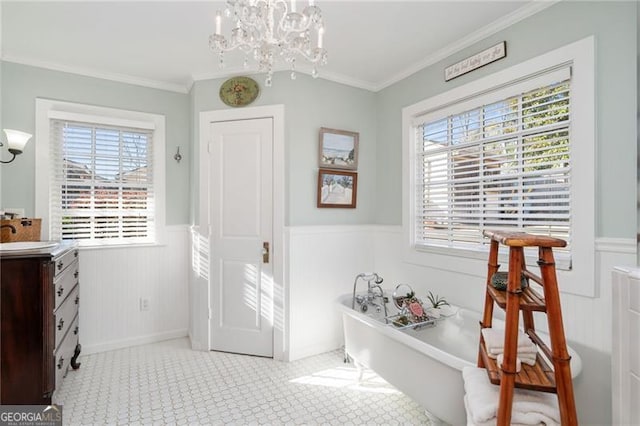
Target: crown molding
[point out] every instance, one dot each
(518, 15)
(506, 21)
(322, 74)
(87, 72)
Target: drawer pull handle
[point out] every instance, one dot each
(77, 299)
(75, 330)
(60, 363)
(75, 253)
(75, 274)
(60, 323)
(60, 291)
(60, 265)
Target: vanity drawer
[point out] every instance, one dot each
(65, 282)
(65, 352)
(65, 261)
(65, 315)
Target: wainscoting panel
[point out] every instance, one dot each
(587, 320)
(322, 264)
(114, 280)
(626, 346)
(199, 291)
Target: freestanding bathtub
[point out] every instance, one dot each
(425, 364)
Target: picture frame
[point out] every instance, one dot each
(337, 189)
(338, 149)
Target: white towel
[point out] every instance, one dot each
(528, 408)
(491, 422)
(528, 350)
(529, 359)
(500, 360)
(494, 341)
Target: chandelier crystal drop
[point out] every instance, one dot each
(272, 30)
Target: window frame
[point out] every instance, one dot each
(50, 109)
(579, 271)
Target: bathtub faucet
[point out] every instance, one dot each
(373, 283)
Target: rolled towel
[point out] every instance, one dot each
(494, 340)
(528, 408)
(529, 359)
(500, 359)
(529, 351)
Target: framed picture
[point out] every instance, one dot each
(338, 149)
(337, 188)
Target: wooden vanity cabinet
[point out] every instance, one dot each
(39, 322)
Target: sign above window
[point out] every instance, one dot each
(476, 61)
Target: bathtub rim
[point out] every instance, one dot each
(344, 304)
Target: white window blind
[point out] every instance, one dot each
(505, 164)
(102, 191)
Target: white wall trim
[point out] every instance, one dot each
(133, 341)
(277, 112)
(518, 15)
(104, 75)
(197, 345)
(616, 245)
(45, 108)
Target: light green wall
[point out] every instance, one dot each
(614, 26)
(21, 85)
(310, 104)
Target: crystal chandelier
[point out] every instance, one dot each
(270, 30)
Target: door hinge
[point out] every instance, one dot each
(209, 313)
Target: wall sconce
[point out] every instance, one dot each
(16, 140)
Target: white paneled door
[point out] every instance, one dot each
(240, 214)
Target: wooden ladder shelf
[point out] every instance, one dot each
(539, 377)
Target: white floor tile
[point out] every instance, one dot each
(168, 383)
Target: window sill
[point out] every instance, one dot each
(118, 246)
(420, 253)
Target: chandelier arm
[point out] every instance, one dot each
(313, 57)
(272, 31)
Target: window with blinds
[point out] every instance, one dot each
(102, 185)
(505, 164)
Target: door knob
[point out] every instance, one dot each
(265, 252)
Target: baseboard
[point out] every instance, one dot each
(197, 345)
(133, 341)
(316, 349)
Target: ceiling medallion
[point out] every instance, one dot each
(239, 91)
(268, 30)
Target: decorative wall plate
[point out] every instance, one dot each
(239, 91)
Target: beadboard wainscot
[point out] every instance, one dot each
(588, 319)
(199, 296)
(114, 280)
(321, 264)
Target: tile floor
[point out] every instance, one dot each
(168, 383)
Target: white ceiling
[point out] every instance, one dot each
(164, 44)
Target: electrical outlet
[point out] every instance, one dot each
(144, 304)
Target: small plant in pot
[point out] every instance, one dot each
(437, 301)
